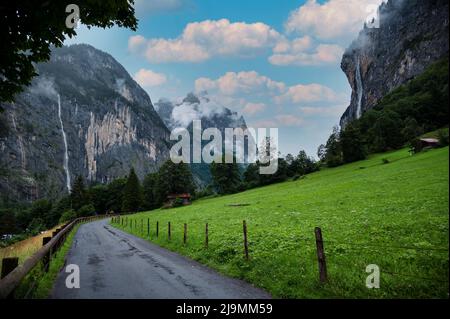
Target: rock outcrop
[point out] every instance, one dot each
(108, 121)
(412, 34)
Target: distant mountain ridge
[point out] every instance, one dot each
(412, 35)
(104, 121)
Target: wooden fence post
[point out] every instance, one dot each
(206, 236)
(157, 229)
(168, 231)
(321, 255)
(8, 265)
(148, 227)
(244, 224)
(185, 234)
(46, 259)
(142, 226)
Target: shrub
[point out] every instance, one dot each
(86, 210)
(68, 215)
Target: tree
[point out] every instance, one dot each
(303, 164)
(78, 195)
(98, 195)
(251, 176)
(114, 195)
(7, 222)
(29, 29)
(385, 133)
(353, 148)
(333, 148)
(132, 193)
(411, 129)
(226, 176)
(173, 179)
(149, 191)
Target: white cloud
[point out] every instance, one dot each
(246, 82)
(334, 19)
(289, 120)
(300, 94)
(253, 108)
(148, 78)
(203, 40)
(301, 52)
(333, 111)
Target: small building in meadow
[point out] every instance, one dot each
(174, 200)
(429, 142)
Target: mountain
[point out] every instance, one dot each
(83, 115)
(180, 114)
(411, 36)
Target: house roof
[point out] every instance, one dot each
(430, 140)
(185, 195)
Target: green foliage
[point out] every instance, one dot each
(98, 195)
(78, 195)
(29, 36)
(149, 191)
(226, 176)
(86, 210)
(67, 216)
(352, 145)
(443, 137)
(173, 179)
(7, 222)
(365, 216)
(132, 193)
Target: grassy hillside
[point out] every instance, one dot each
(394, 215)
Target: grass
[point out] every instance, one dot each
(25, 248)
(38, 284)
(394, 215)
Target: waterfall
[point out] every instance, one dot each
(359, 88)
(66, 154)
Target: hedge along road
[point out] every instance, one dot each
(114, 264)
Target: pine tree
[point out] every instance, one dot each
(173, 179)
(78, 194)
(132, 193)
(226, 177)
(149, 191)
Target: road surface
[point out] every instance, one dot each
(114, 264)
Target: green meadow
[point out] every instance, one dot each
(390, 210)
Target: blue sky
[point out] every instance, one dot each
(275, 62)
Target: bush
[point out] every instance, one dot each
(443, 137)
(68, 216)
(86, 210)
(385, 161)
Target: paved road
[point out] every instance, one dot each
(114, 264)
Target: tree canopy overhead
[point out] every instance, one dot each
(29, 28)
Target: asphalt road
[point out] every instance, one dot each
(114, 264)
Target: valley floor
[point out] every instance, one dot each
(393, 215)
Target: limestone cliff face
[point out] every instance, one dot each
(412, 34)
(108, 121)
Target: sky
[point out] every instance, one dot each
(276, 62)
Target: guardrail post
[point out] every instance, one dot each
(321, 256)
(8, 265)
(244, 225)
(206, 236)
(46, 259)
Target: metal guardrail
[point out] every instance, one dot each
(11, 281)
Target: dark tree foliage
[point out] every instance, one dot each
(7, 222)
(226, 176)
(78, 195)
(99, 198)
(333, 149)
(149, 191)
(352, 144)
(114, 195)
(132, 193)
(29, 28)
(173, 179)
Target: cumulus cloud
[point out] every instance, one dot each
(333, 111)
(253, 108)
(246, 82)
(301, 51)
(203, 40)
(289, 120)
(300, 94)
(148, 78)
(333, 19)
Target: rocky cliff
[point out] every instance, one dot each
(411, 34)
(83, 115)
